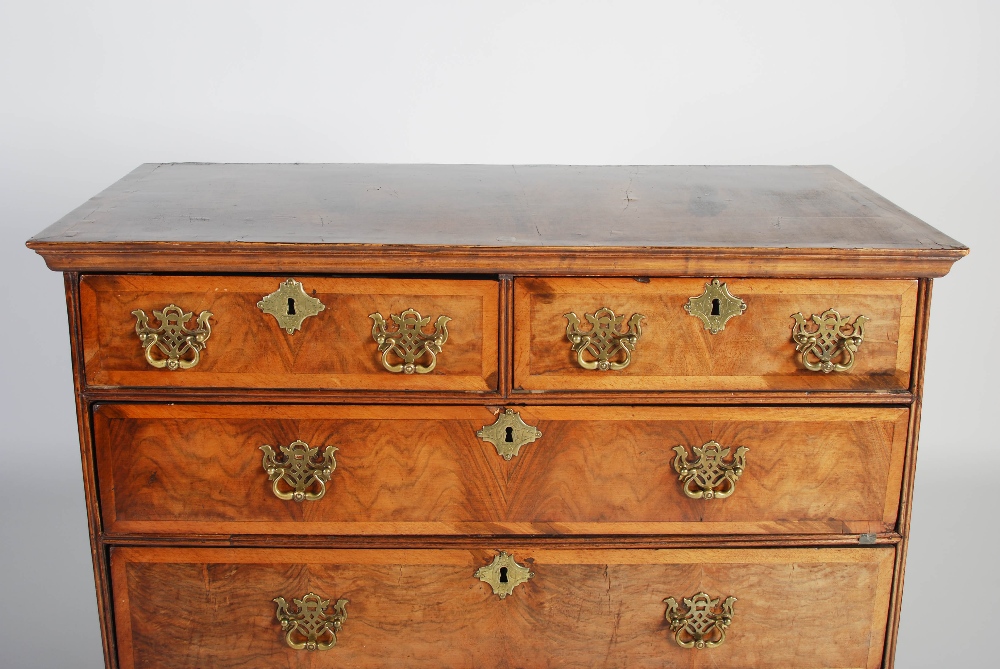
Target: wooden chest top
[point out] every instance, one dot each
(659, 220)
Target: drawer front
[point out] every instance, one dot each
(422, 470)
(675, 350)
(333, 348)
(803, 608)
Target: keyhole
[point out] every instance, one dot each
(509, 436)
(291, 306)
(503, 570)
(715, 306)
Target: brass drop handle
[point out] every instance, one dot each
(831, 345)
(709, 476)
(179, 347)
(309, 624)
(408, 343)
(700, 622)
(300, 473)
(606, 345)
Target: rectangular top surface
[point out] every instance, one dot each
(495, 206)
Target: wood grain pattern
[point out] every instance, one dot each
(675, 352)
(731, 220)
(422, 471)
(809, 609)
(248, 349)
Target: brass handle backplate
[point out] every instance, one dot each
(702, 623)
(179, 347)
(300, 473)
(408, 343)
(831, 345)
(608, 346)
(503, 574)
(290, 305)
(709, 476)
(311, 625)
(715, 306)
(509, 433)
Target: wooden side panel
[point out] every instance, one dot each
(803, 608)
(675, 352)
(422, 470)
(248, 349)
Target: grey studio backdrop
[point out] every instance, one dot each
(903, 96)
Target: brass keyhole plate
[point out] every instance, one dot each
(290, 305)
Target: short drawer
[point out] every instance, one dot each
(273, 333)
(422, 470)
(802, 608)
(675, 349)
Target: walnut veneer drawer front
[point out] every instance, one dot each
(334, 347)
(657, 344)
(802, 608)
(423, 470)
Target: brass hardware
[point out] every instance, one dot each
(509, 433)
(301, 468)
(409, 342)
(711, 476)
(833, 339)
(703, 623)
(604, 340)
(181, 346)
(715, 306)
(290, 305)
(310, 627)
(503, 574)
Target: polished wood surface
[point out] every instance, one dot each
(247, 348)
(675, 352)
(421, 470)
(422, 608)
(495, 218)
(184, 526)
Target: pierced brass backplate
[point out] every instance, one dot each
(290, 305)
(709, 476)
(311, 626)
(715, 306)
(831, 345)
(503, 574)
(300, 473)
(180, 347)
(702, 623)
(409, 343)
(509, 433)
(604, 341)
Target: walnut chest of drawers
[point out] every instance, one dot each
(495, 416)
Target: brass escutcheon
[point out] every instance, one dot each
(503, 574)
(831, 346)
(409, 343)
(181, 346)
(311, 626)
(604, 340)
(715, 306)
(709, 476)
(302, 470)
(702, 623)
(290, 305)
(509, 433)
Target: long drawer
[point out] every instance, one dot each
(626, 335)
(421, 470)
(269, 332)
(802, 608)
